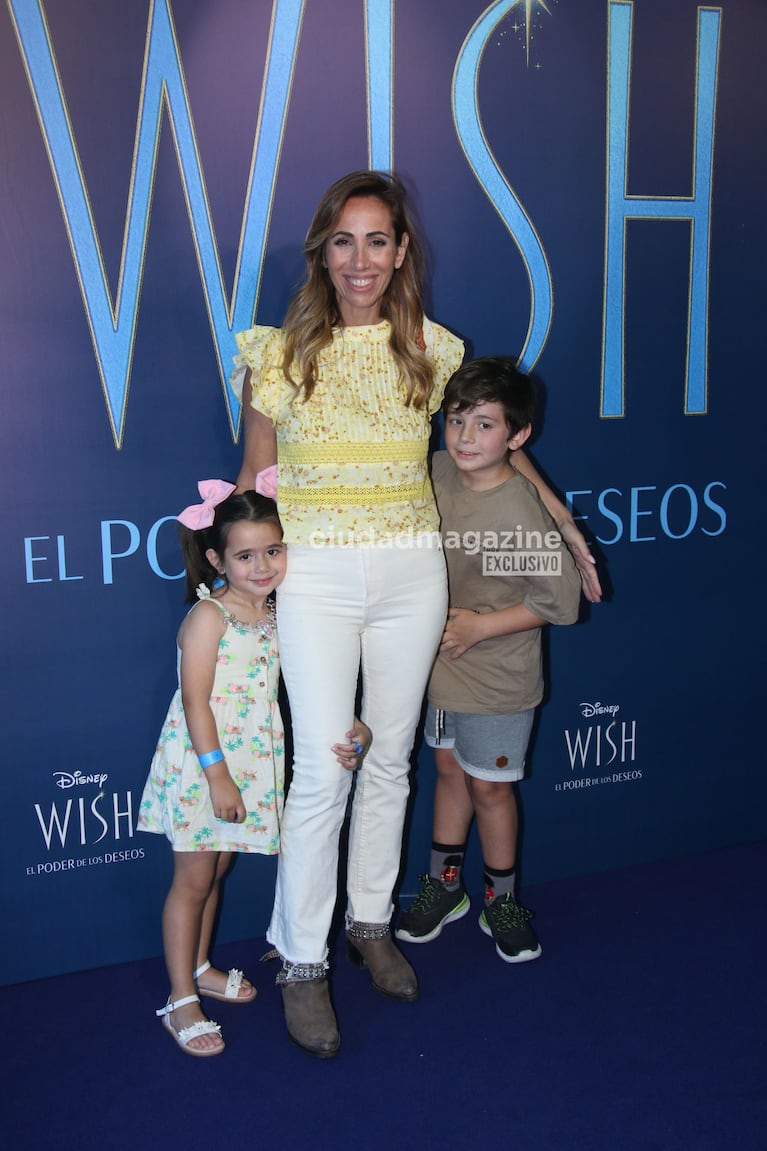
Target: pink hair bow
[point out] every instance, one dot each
(266, 482)
(198, 516)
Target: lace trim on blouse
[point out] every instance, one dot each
(352, 453)
(330, 495)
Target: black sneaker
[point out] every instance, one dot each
(433, 907)
(507, 922)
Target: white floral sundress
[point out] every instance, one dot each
(176, 799)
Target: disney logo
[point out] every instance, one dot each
(591, 709)
(66, 779)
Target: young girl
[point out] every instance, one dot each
(216, 783)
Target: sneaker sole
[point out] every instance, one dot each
(458, 912)
(520, 957)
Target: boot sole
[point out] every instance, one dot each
(318, 1053)
(357, 960)
(399, 998)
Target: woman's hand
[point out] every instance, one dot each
(584, 560)
(562, 517)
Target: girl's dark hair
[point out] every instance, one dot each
(248, 506)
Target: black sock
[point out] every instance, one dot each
(446, 863)
(499, 883)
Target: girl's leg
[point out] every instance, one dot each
(194, 878)
(214, 979)
(210, 908)
(407, 604)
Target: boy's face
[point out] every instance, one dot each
(478, 442)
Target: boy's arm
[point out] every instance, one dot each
(466, 628)
(571, 534)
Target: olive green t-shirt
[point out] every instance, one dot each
(502, 548)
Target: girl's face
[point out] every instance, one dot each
(254, 559)
(361, 256)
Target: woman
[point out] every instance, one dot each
(342, 398)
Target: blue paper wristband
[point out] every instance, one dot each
(210, 758)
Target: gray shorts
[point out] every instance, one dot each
(491, 747)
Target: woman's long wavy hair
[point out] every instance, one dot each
(313, 311)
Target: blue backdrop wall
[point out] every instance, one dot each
(591, 177)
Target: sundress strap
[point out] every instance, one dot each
(263, 627)
(209, 599)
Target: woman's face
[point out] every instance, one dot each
(361, 255)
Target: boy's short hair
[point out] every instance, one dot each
(492, 379)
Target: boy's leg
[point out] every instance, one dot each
(453, 810)
(495, 807)
(443, 897)
(453, 814)
(491, 749)
(502, 917)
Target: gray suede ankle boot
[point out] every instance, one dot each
(309, 1014)
(370, 945)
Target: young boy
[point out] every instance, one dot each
(509, 574)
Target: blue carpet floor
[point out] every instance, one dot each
(642, 1026)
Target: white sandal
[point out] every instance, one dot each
(231, 993)
(201, 1027)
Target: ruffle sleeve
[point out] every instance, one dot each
(260, 350)
(446, 352)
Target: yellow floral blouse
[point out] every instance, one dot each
(352, 467)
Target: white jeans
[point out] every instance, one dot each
(341, 609)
